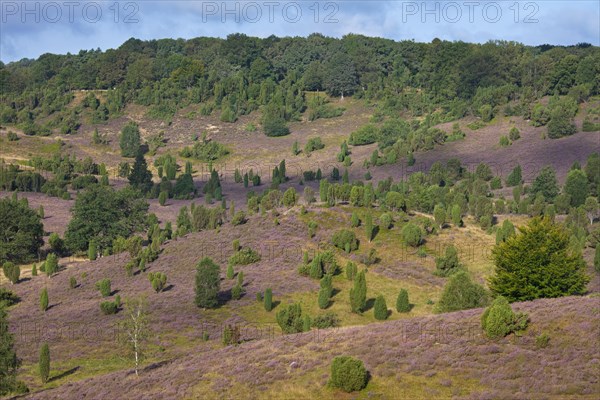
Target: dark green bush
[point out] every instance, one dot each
(366, 134)
(103, 286)
(108, 307)
(348, 374)
(327, 320)
(244, 256)
(345, 239)
(499, 320)
(290, 319)
(380, 309)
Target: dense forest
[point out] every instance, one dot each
(240, 74)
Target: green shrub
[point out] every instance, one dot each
(158, 280)
(504, 141)
(237, 291)
(313, 144)
(51, 264)
(412, 234)
(275, 126)
(239, 218)
(345, 239)
(244, 256)
(312, 228)
(228, 115)
(44, 299)
(358, 293)
(461, 293)
(108, 307)
(348, 374)
(323, 298)
(230, 272)
(162, 198)
(231, 335)
(385, 220)
(327, 320)
(268, 299)
(366, 134)
(542, 340)
(12, 272)
(448, 265)
(322, 264)
(103, 286)
(514, 134)
(290, 319)
(402, 302)
(351, 270)
(207, 283)
(206, 151)
(499, 320)
(72, 282)
(44, 363)
(380, 309)
(496, 183)
(354, 220)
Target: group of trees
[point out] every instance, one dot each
(240, 74)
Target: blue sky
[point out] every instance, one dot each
(31, 28)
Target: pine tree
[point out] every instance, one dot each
(140, 177)
(34, 271)
(44, 299)
(380, 308)
(323, 298)
(208, 283)
(268, 301)
(402, 303)
(350, 271)
(515, 177)
(540, 255)
(246, 179)
(354, 220)
(44, 363)
(358, 294)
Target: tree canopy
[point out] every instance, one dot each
(21, 231)
(537, 263)
(102, 214)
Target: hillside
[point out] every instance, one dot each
(429, 357)
(275, 203)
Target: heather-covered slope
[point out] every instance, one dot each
(432, 357)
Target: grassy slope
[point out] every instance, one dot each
(430, 357)
(83, 341)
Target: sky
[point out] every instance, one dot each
(29, 29)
